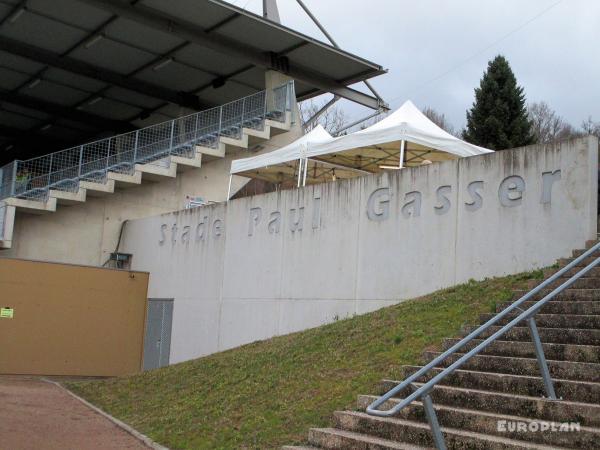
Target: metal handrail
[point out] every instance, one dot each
(423, 391)
(62, 170)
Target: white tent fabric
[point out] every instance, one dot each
(291, 152)
(407, 123)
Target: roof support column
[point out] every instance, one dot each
(401, 164)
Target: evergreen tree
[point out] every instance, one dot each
(498, 118)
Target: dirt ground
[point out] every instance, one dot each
(35, 414)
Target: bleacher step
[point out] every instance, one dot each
(510, 404)
(591, 321)
(481, 422)
(554, 335)
(567, 370)
(554, 351)
(418, 433)
(533, 386)
(560, 307)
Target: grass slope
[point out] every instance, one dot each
(269, 393)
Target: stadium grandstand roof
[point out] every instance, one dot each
(73, 70)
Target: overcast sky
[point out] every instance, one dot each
(437, 50)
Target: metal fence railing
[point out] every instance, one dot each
(33, 178)
(527, 315)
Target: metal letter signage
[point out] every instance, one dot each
(511, 192)
(412, 207)
(548, 179)
(378, 205)
(441, 193)
(473, 189)
(255, 216)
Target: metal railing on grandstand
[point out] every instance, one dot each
(63, 170)
(528, 315)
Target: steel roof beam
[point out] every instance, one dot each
(64, 111)
(190, 32)
(98, 73)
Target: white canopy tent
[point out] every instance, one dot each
(404, 138)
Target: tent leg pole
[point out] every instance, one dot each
(229, 188)
(299, 171)
(401, 163)
(305, 171)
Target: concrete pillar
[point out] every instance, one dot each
(275, 79)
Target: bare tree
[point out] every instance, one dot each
(333, 119)
(439, 119)
(591, 127)
(547, 126)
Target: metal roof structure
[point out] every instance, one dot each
(72, 70)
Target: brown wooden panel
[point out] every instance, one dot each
(71, 320)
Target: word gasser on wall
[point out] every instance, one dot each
(510, 194)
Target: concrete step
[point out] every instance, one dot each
(577, 391)
(560, 307)
(279, 127)
(593, 273)
(124, 180)
(534, 407)
(588, 295)
(577, 253)
(581, 283)
(419, 433)
(552, 320)
(65, 198)
(184, 164)
(32, 206)
(547, 335)
(331, 438)
(487, 423)
(211, 153)
(562, 262)
(235, 143)
(553, 351)
(98, 189)
(565, 370)
(157, 172)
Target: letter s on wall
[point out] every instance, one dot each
(163, 236)
(441, 193)
(473, 189)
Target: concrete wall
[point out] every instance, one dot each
(87, 233)
(71, 320)
(286, 261)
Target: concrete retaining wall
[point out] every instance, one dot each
(281, 262)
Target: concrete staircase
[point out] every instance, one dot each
(152, 171)
(503, 383)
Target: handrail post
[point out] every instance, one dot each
(49, 171)
(436, 431)
(220, 125)
(242, 118)
(80, 161)
(196, 128)
(539, 353)
(13, 188)
(135, 145)
(107, 154)
(172, 134)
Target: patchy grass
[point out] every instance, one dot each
(269, 393)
